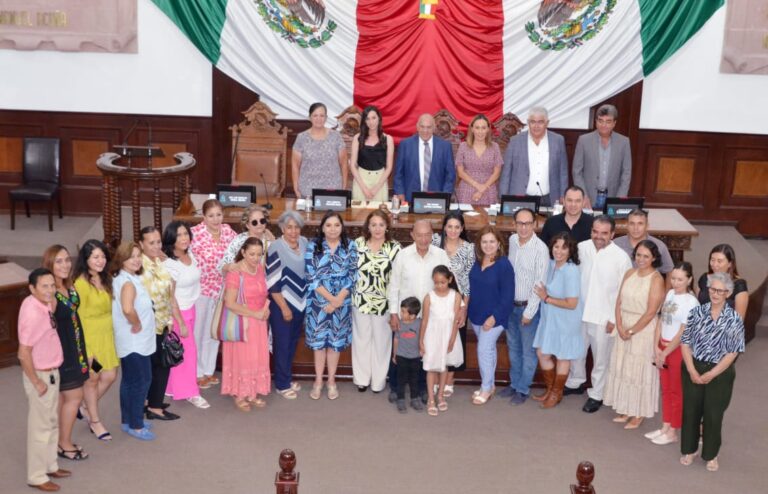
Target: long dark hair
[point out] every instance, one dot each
(81, 264)
(568, 241)
(379, 214)
(249, 242)
(652, 248)
(364, 129)
(442, 269)
(171, 233)
(453, 215)
(727, 251)
(686, 267)
(343, 241)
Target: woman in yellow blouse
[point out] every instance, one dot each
(94, 286)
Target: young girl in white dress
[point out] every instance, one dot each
(439, 327)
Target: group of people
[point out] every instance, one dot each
(404, 310)
(534, 163)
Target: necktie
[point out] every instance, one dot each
(427, 166)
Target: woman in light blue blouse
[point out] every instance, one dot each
(134, 323)
(331, 270)
(712, 339)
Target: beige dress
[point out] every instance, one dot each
(633, 381)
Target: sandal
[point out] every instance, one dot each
(687, 460)
(479, 399)
(317, 390)
(77, 454)
(712, 465)
(242, 405)
(213, 380)
(448, 390)
(295, 386)
(333, 391)
(432, 409)
(257, 402)
(104, 436)
(288, 394)
(621, 419)
(634, 423)
(442, 405)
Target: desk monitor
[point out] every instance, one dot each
(510, 204)
(430, 202)
(331, 199)
(620, 207)
(237, 196)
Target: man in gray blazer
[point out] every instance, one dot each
(603, 160)
(535, 163)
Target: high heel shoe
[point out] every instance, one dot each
(317, 390)
(634, 423)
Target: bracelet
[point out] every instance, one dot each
(546, 299)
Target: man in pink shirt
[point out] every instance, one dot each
(40, 355)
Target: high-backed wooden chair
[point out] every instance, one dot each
(505, 128)
(348, 125)
(447, 127)
(260, 145)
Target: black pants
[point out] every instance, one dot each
(159, 377)
(408, 370)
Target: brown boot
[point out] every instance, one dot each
(557, 392)
(549, 377)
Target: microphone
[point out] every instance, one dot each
(267, 205)
(541, 192)
(149, 141)
(130, 131)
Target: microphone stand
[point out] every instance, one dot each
(267, 205)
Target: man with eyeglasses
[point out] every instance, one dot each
(40, 356)
(602, 163)
(535, 162)
(530, 258)
(573, 219)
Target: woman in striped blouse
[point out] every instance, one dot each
(712, 339)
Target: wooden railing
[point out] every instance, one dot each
(177, 176)
(287, 480)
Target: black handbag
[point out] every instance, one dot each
(171, 350)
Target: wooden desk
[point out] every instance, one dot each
(667, 224)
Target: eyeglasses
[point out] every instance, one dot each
(718, 291)
(262, 221)
(524, 223)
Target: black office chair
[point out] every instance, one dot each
(41, 177)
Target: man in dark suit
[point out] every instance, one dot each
(424, 162)
(603, 159)
(535, 163)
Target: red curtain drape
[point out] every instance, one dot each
(407, 66)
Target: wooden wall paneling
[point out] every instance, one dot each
(750, 179)
(85, 152)
(676, 175)
(11, 154)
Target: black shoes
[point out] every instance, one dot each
(362, 389)
(573, 391)
(165, 416)
(591, 406)
(401, 407)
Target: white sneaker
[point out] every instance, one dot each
(663, 439)
(654, 434)
(199, 402)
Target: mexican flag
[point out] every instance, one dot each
(410, 57)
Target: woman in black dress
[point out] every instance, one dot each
(74, 371)
(722, 259)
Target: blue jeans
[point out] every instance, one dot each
(285, 337)
(137, 376)
(486, 353)
(522, 355)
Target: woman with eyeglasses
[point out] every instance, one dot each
(722, 259)
(73, 373)
(255, 223)
(712, 340)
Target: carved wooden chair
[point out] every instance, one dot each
(505, 129)
(348, 125)
(260, 146)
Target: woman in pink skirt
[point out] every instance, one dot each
(182, 382)
(245, 365)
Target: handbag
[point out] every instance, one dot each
(228, 326)
(171, 350)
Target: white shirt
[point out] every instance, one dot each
(602, 272)
(674, 313)
(187, 279)
(422, 144)
(412, 275)
(538, 166)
